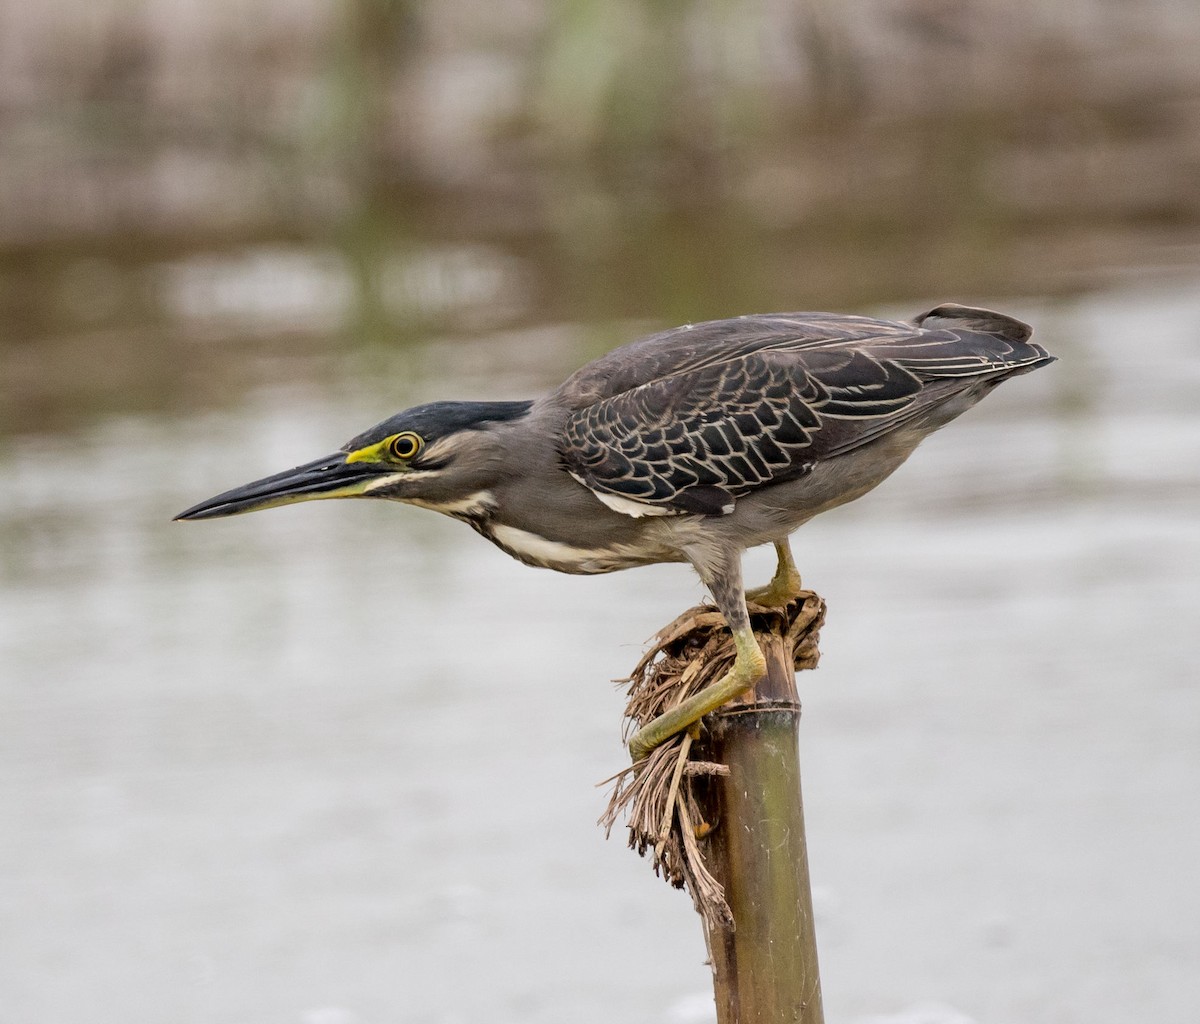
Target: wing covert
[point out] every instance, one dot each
(696, 441)
(691, 420)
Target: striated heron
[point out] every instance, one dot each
(691, 445)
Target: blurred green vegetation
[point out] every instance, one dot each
(195, 202)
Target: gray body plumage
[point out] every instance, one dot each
(702, 441)
(687, 446)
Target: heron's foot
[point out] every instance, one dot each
(784, 588)
(785, 585)
(748, 668)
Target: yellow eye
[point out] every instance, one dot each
(405, 446)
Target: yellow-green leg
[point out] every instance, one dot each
(721, 571)
(748, 668)
(785, 585)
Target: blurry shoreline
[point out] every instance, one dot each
(162, 119)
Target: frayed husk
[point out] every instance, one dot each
(669, 798)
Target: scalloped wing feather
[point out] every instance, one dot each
(689, 420)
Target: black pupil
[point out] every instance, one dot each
(404, 447)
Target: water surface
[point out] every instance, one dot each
(335, 764)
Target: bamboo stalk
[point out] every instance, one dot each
(764, 967)
(719, 809)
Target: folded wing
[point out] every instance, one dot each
(690, 420)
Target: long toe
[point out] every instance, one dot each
(747, 669)
(779, 593)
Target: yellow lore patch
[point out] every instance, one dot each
(397, 449)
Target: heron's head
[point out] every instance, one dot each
(433, 454)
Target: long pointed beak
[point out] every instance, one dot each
(330, 477)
